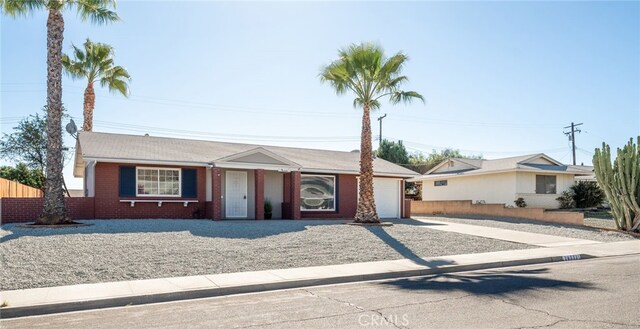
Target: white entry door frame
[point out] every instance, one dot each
(236, 194)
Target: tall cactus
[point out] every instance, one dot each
(621, 183)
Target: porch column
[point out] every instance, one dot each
(295, 195)
(216, 194)
(259, 180)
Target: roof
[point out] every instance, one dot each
(531, 162)
(108, 147)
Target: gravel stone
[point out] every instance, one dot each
(116, 250)
(518, 224)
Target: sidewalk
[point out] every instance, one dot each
(112, 294)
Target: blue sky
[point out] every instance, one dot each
(499, 78)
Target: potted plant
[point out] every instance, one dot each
(268, 209)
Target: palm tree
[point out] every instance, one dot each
(364, 70)
(97, 11)
(95, 64)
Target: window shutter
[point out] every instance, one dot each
(189, 183)
(127, 181)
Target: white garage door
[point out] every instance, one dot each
(387, 195)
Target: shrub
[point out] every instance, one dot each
(566, 199)
(520, 202)
(268, 207)
(587, 194)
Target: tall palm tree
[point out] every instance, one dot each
(363, 70)
(95, 63)
(97, 11)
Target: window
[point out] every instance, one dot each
(440, 183)
(158, 182)
(317, 193)
(545, 184)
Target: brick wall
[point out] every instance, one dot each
(20, 210)
(498, 210)
(108, 205)
(259, 193)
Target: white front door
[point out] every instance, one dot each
(236, 194)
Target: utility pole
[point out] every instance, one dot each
(380, 119)
(572, 138)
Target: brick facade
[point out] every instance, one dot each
(259, 193)
(216, 194)
(108, 205)
(20, 210)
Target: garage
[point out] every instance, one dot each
(386, 192)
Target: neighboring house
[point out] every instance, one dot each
(536, 178)
(152, 177)
(591, 177)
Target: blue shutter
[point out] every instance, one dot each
(189, 183)
(127, 181)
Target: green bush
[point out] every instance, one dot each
(520, 203)
(587, 194)
(566, 199)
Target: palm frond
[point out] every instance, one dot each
(363, 69)
(21, 7)
(96, 11)
(116, 79)
(95, 63)
(405, 97)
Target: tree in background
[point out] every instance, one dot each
(393, 152)
(28, 142)
(54, 211)
(364, 70)
(95, 63)
(621, 183)
(22, 174)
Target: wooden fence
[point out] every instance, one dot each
(11, 189)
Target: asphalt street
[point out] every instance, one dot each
(595, 293)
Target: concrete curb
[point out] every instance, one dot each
(42, 309)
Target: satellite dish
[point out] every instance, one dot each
(71, 127)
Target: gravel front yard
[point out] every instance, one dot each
(114, 250)
(517, 224)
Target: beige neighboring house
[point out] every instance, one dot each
(537, 178)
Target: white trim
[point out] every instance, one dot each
(179, 170)
(247, 165)
(160, 202)
(541, 155)
(334, 192)
(445, 161)
(149, 162)
(238, 165)
(90, 179)
(257, 150)
(349, 172)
